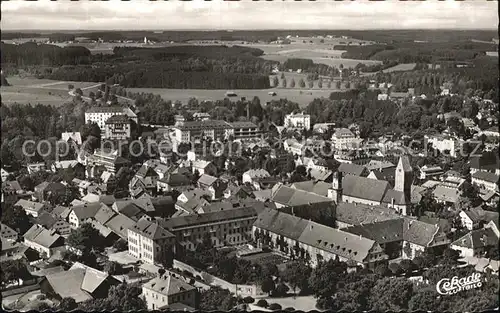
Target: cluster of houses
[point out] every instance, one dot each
(172, 207)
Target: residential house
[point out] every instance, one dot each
(4, 174)
(444, 144)
(214, 185)
(485, 180)
(45, 241)
(428, 172)
(80, 283)
(150, 242)
(379, 165)
(32, 208)
(68, 164)
(173, 181)
(36, 167)
(251, 175)
(353, 169)
(476, 243)
(54, 223)
(165, 290)
(7, 232)
(75, 137)
(447, 195)
(204, 167)
(191, 199)
(491, 132)
(81, 213)
(297, 121)
(475, 218)
(197, 130)
(12, 191)
(244, 130)
(45, 190)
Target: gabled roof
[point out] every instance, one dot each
(68, 284)
(344, 244)
(146, 171)
(295, 197)
(87, 210)
(168, 285)
(201, 164)
(281, 223)
(321, 175)
(43, 237)
(356, 213)
(317, 187)
(151, 230)
(46, 220)
(404, 163)
(444, 193)
(104, 214)
(207, 180)
(351, 169)
(376, 165)
(398, 196)
(254, 173)
(118, 119)
(479, 215)
(486, 176)
(176, 179)
(199, 219)
(119, 224)
(479, 238)
(30, 205)
(364, 188)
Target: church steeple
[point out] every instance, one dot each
(335, 192)
(404, 177)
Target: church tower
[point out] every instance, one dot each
(404, 177)
(335, 192)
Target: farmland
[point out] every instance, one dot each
(400, 68)
(302, 97)
(26, 90)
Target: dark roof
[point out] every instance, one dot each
(364, 188)
(295, 197)
(351, 169)
(356, 214)
(382, 232)
(281, 223)
(486, 176)
(243, 124)
(117, 119)
(46, 220)
(209, 124)
(87, 210)
(176, 179)
(199, 219)
(146, 171)
(489, 161)
(477, 239)
(398, 196)
(113, 109)
(44, 237)
(151, 230)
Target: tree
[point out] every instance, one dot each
(125, 297)
(85, 239)
(382, 270)
(297, 273)
(282, 75)
(391, 294)
(292, 83)
(283, 83)
(320, 281)
(120, 245)
(302, 83)
(217, 299)
(79, 92)
(13, 270)
(347, 85)
(338, 84)
(267, 285)
(281, 290)
(425, 299)
(310, 84)
(262, 303)
(274, 306)
(275, 81)
(71, 87)
(395, 268)
(16, 218)
(320, 84)
(113, 268)
(67, 304)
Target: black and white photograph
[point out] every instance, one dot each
(250, 156)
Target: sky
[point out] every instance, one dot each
(246, 14)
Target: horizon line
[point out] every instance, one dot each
(251, 30)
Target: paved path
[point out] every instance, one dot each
(303, 303)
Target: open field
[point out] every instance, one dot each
(302, 97)
(26, 90)
(400, 68)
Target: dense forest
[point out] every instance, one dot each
(417, 52)
(180, 67)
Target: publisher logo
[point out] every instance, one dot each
(447, 286)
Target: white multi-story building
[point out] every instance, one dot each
(166, 290)
(444, 144)
(100, 115)
(117, 127)
(299, 120)
(150, 242)
(343, 139)
(197, 130)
